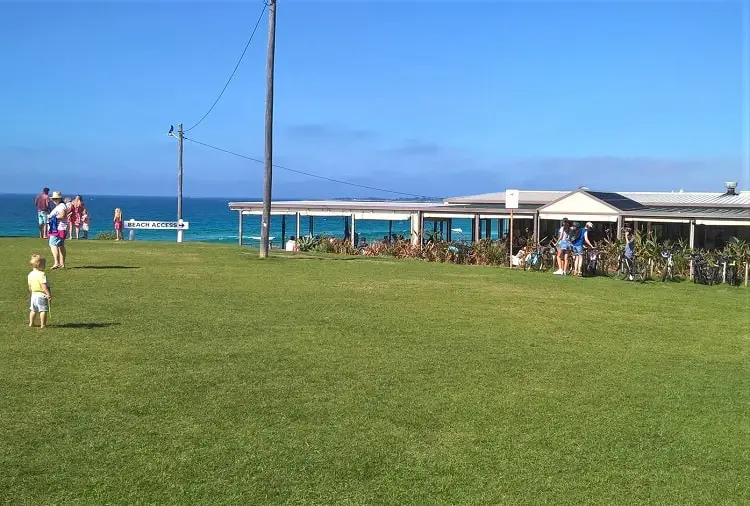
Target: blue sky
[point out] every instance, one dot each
(428, 97)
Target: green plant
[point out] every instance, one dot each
(489, 252)
(343, 247)
(306, 243)
(433, 236)
(324, 244)
(739, 250)
(105, 236)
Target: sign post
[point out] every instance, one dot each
(511, 202)
(134, 225)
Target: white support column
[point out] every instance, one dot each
(354, 228)
(240, 228)
(692, 244)
(475, 233)
(296, 237)
(416, 228)
(692, 234)
(619, 226)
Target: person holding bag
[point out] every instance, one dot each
(58, 221)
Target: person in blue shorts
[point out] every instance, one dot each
(57, 230)
(580, 241)
(42, 203)
(563, 247)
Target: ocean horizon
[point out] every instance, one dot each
(209, 217)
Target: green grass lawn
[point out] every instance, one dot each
(198, 374)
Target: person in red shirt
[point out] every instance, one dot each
(42, 204)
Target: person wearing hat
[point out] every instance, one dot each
(580, 240)
(58, 221)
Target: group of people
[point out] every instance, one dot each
(57, 217)
(572, 240)
(77, 216)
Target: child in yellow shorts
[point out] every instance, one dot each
(40, 294)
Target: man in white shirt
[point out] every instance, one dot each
(291, 244)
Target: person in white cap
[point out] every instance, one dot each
(58, 221)
(580, 243)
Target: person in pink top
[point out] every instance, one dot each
(75, 217)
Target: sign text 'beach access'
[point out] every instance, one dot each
(156, 225)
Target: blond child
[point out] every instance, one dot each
(118, 224)
(39, 288)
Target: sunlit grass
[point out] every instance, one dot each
(199, 374)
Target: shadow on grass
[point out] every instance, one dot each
(323, 257)
(105, 267)
(92, 325)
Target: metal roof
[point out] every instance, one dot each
(637, 204)
(690, 212)
(348, 206)
(338, 205)
(689, 198)
(643, 198)
(524, 197)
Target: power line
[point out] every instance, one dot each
(257, 23)
(258, 160)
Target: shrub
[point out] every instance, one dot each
(305, 243)
(323, 244)
(343, 247)
(489, 252)
(105, 236)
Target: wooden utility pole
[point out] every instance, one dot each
(179, 180)
(510, 239)
(266, 219)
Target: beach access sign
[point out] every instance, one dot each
(156, 225)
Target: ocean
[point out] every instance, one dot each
(210, 220)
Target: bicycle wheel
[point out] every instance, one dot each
(642, 273)
(732, 276)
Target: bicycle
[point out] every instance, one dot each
(668, 271)
(534, 259)
(591, 261)
(729, 275)
(705, 273)
(634, 270)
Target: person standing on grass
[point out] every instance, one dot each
(629, 252)
(581, 240)
(75, 217)
(563, 247)
(576, 242)
(57, 229)
(42, 204)
(40, 293)
(117, 219)
(85, 223)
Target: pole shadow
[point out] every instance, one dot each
(80, 325)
